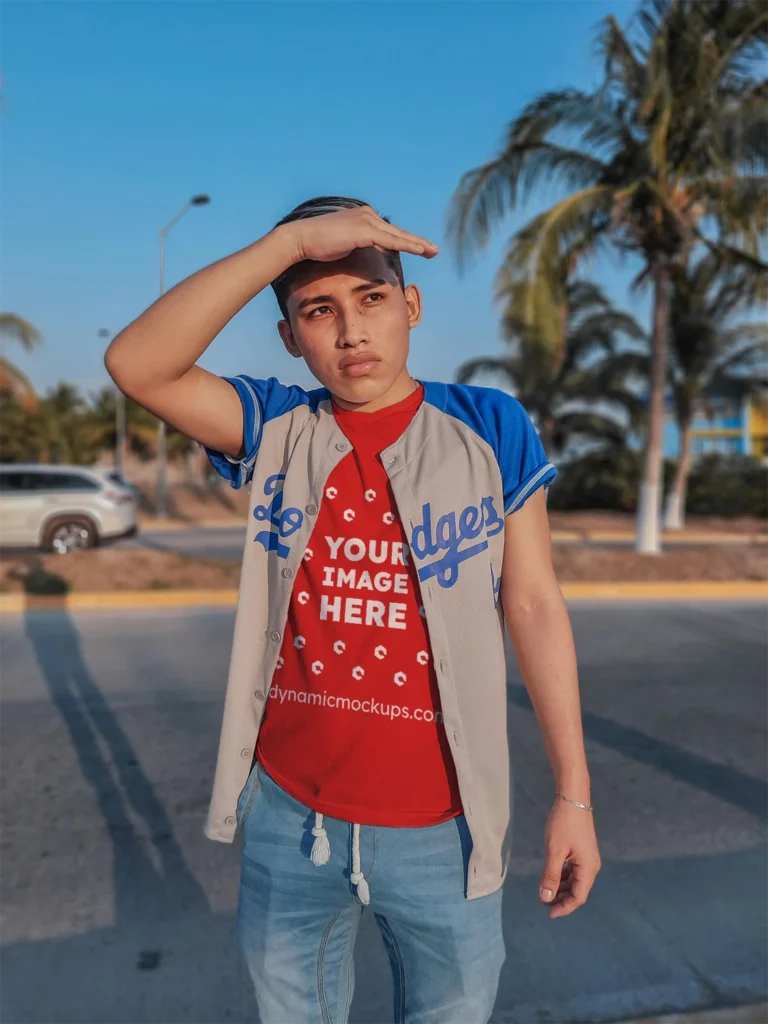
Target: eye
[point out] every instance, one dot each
(375, 295)
(318, 309)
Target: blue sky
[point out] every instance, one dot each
(114, 113)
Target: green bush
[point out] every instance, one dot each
(605, 479)
(608, 479)
(728, 486)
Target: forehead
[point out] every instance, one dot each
(330, 278)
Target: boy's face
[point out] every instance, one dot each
(350, 320)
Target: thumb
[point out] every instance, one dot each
(550, 878)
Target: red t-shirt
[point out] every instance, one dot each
(353, 727)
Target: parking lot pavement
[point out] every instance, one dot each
(116, 908)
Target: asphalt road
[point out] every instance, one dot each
(117, 908)
(225, 543)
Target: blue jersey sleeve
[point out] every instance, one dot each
(522, 459)
(262, 401)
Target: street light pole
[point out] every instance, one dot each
(162, 434)
(119, 419)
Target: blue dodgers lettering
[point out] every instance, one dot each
(284, 522)
(496, 583)
(450, 532)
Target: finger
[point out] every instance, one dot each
(582, 882)
(551, 879)
(403, 241)
(576, 896)
(564, 907)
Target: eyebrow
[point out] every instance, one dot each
(368, 286)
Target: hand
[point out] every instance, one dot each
(332, 236)
(572, 860)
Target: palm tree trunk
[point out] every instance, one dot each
(648, 538)
(674, 515)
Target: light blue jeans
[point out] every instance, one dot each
(297, 923)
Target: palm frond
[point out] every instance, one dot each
(20, 330)
(487, 193)
(14, 382)
(533, 267)
(499, 367)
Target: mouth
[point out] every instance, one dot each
(358, 366)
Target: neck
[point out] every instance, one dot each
(403, 386)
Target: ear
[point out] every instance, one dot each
(413, 302)
(284, 329)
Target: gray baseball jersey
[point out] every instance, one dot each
(469, 457)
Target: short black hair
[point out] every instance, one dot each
(316, 208)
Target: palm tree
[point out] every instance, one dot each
(140, 428)
(581, 390)
(61, 425)
(12, 380)
(711, 352)
(668, 152)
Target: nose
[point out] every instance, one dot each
(352, 331)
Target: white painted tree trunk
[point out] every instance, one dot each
(648, 541)
(674, 514)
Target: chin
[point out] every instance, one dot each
(363, 389)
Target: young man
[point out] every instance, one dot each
(364, 749)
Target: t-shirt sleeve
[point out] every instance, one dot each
(524, 464)
(262, 400)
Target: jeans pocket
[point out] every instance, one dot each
(245, 801)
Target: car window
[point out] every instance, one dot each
(66, 482)
(17, 482)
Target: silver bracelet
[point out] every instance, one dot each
(587, 807)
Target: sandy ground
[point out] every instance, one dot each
(585, 522)
(113, 569)
(131, 569)
(192, 503)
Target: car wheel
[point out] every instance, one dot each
(70, 533)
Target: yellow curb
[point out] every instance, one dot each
(566, 537)
(150, 525)
(118, 599)
(735, 590)
(684, 537)
(684, 590)
(754, 1013)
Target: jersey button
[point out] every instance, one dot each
(246, 752)
(230, 820)
(259, 695)
(287, 574)
(311, 510)
(274, 635)
(341, 446)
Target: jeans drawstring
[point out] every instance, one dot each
(321, 854)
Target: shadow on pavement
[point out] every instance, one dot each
(719, 780)
(106, 975)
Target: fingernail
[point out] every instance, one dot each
(546, 894)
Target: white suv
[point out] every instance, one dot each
(64, 508)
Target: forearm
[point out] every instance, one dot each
(543, 642)
(165, 342)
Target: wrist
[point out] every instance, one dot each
(575, 785)
(287, 245)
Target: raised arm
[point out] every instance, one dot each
(153, 360)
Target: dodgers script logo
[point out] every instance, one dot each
(496, 581)
(451, 531)
(283, 521)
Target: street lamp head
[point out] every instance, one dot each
(201, 200)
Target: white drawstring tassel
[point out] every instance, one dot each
(357, 877)
(321, 848)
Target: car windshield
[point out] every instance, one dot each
(115, 477)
